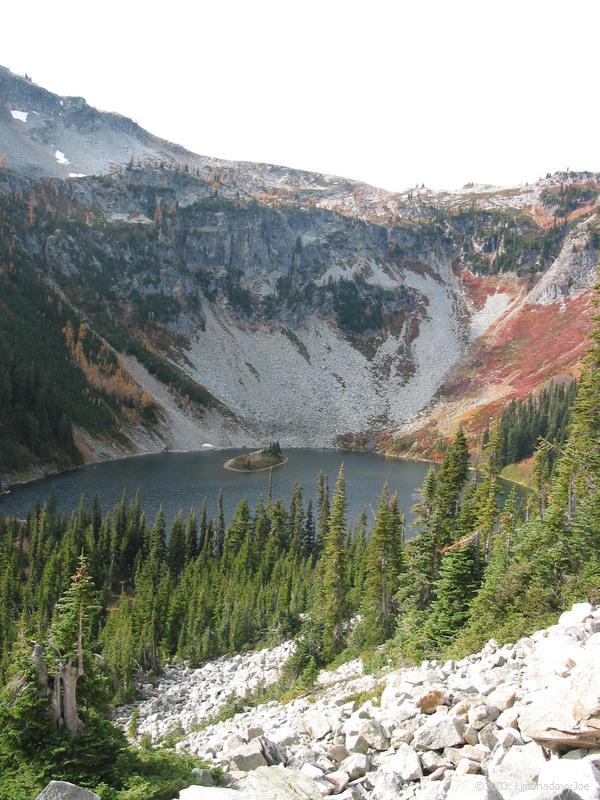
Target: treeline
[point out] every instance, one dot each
(195, 591)
(542, 416)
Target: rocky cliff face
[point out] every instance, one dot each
(252, 301)
(512, 721)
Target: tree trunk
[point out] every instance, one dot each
(56, 703)
(73, 724)
(41, 669)
(38, 657)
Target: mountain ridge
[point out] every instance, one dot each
(244, 300)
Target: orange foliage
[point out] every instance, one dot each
(105, 374)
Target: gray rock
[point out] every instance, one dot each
(472, 787)
(467, 767)
(488, 736)
(317, 725)
(439, 732)
(405, 763)
(385, 786)
(311, 771)
(272, 752)
(351, 793)
(248, 757)
(61, 790)
(480, 716)
(515, 768)
(356, 765)
(502, 697)
(374, 735)
(356, 743)
(578, 614)
(462, 708)
(339, 779)
(202, 777)
(431, 761)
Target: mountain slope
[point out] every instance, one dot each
(244, 301)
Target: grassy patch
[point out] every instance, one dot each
(519, 473)
(372, 695)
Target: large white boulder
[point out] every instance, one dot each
(62, 790)
(578, 775)
(578, 614)
(277, 783)
(567, 713)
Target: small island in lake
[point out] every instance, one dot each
(270, 456)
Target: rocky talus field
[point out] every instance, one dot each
(513, 721)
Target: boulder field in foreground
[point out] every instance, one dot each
(517, 721)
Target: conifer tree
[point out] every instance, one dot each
(203, 536)
(176, 549)
(332, 605)
(69, 643)
(382, 571)
(323, 509)
(238, 532)
(219, 537)
(158, 542)
(190, 539)
(309, 531)
(454, 591)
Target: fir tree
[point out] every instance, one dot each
(382, 571)
(332, 605)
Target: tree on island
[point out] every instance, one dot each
(272, 449)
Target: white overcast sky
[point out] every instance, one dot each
(393, 93)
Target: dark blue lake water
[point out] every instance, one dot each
(181, 480)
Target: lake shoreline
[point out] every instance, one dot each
(6, 487)
(7, 484)
(180, 481)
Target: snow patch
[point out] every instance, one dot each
(495, 305)
(77, 175)
(20, 115)
(60, 157)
